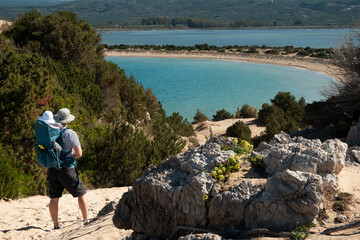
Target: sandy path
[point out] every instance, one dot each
(29, 218)
(205, 129)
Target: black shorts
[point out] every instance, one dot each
(65, 178)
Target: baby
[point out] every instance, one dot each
(48, 118)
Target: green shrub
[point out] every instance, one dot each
(248, 111)
(239, 130)
(301, 232)
(221, 115)
(258, 163)
(179, 125)
(200, 117)
(14, 183)
(285, 114)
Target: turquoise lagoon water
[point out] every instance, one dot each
(316, 38)
(183, 85)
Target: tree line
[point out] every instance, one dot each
(324, 53)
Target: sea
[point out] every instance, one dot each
(185, 85)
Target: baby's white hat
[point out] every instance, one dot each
(47, 117)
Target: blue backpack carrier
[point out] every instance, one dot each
(46, 137)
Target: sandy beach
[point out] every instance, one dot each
(306, 63)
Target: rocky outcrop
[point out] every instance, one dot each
(181, 191)
(227, 209)
(173, 193)
(300, 154)
(290, 199)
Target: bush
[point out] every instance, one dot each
(285, 114)
(258, 163)
(248, 111)
(200, 117)
(179, 125)
(239, 130)
(221, 115)
(14, 183)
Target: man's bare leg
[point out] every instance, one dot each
(83, 205)
(54, 209)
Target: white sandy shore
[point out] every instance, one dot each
(323, 66)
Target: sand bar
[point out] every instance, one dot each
(306, 63)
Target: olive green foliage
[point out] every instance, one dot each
(13, 181)
(222, 114)
(52, 61)
(285, 114)
(247, 23)
(246, 111)
(199, 116)
(239, 130)
(179, 125)
(188, 22)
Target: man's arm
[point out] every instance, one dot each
(77, 152)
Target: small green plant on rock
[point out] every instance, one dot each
(258, 162)
(301, 232)
(223, 171)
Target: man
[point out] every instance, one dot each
(67, 177)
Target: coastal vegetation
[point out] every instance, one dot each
(221, 115)
(54, 61)
(143, 14)
(320, 53)
(239, 130)
(199, 116)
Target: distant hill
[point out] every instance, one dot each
(111, 13)
(32, 2)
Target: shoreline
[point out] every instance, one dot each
(142, 28)
(314, 65)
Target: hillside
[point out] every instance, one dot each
(54, 61)
(239, 13)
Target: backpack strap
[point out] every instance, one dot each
(66, 161)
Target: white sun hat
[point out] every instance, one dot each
(47, 117)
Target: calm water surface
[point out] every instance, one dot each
(183, 85)
(316, 38)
